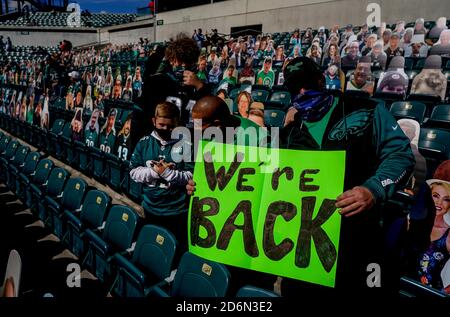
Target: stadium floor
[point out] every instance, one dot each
(41, 274)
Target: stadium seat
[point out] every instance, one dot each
(51, 188)
(149, 265)
(98, 163)
(70, 200)
(84, 160)
(92, 215)
(274, 118)
(131, 188)
(260, 95)
(435, 147)
(5, 156)
(429, 101)
(440, 117)
(197, 277)
(37, 178)
(116, 237)
(68, 146)
(282, 97)
(14, 165)
(52, 135)
(252, 291)
(115, 169)
(23, 176)
(409, 110)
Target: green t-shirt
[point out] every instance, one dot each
(317, 129)
(266, 79)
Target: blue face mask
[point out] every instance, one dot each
(312, 106)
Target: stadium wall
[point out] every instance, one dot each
(286, 15)
(36, 36)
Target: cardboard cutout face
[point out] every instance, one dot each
(362, 79)
(45, 116)
(393, 81)
(430, 82)
(77, 125)
(411, 128)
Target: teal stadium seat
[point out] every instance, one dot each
(51, 188)
(37, 179)
(6, 156)
(92, 215)
(409, 110)
(150, 264)
(116, 237)
(260, 95)
(440, 117)
(274, 118)
(23, 176)
(197, 277)
(14, 165)
(435, 147)
(72, 197)
(282, 97)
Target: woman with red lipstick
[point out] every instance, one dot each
(438, 253)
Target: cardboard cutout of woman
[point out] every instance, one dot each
(16, 110)
(123, 141)
(88, 103)
(77, 125)
(435, 258)
(45, 116)
(107, 89)
(23, 109)
(30, 109)
(38, 112)
(12, 102)
(430, 81)
(69, 100)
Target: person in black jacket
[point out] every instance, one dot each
(379, 161)
(175, 77)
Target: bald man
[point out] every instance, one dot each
(212, 111)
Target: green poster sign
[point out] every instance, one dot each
(279, 219)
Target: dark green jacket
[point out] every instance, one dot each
(164, 194)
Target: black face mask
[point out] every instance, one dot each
(166, 135)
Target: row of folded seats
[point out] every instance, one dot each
(105, 164)
(101, 234)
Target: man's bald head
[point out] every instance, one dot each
(210, 109)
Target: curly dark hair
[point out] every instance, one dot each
(183, 50)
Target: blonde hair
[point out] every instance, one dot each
(445, 185)
(167, 110)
